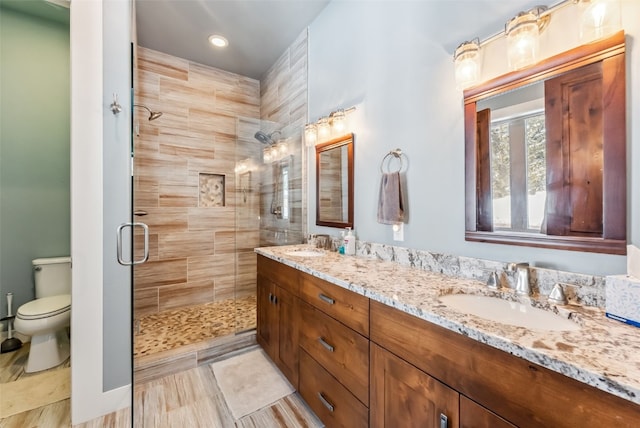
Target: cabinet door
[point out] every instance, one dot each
(404, 396)
(473, 415)
(267, 331)
(287, 361)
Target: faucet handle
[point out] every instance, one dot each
(512, 267)
(493, 282)
(557, 296)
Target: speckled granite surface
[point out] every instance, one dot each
(603, 353)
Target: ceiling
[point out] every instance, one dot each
(259, 31)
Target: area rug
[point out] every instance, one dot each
(250, 382)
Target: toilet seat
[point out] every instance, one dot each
(45, 307)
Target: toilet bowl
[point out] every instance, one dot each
(45, 320)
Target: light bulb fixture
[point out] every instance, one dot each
(334, 124)
(324, 129)
(523, 37)
(310, 134)
(600, 18)
(218, 41)
(338, 121)
(467, 64)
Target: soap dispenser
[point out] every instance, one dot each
(350, 243)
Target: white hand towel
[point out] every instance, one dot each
(390, 202)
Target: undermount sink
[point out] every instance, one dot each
(507, 312)
(305, 253)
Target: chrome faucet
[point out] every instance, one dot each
(522, 278)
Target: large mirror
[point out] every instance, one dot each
(334, 182)
(545, 153)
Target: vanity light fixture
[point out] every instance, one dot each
(467, 64)
(523, 33)
(600, 18)
(324, 129)
(334, 125)
(310, 134)
(218, 41)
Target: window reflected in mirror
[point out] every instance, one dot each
(545, 153)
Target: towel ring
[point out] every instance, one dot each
(397, 153)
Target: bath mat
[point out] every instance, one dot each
(34, 391)
(250, 382)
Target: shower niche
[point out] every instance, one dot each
(211, 190)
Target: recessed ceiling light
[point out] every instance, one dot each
(218, 41)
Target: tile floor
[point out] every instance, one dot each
(191, 398)
(177, 328)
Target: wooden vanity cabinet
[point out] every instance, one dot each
(334, 350)
(277, 313)
(404, 396)
(523, 393)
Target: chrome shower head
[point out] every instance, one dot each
(263, 138)
(266, 138)
(153, 115)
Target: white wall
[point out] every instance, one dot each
(386, 58)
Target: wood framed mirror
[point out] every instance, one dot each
(334, 182)
(545, 153)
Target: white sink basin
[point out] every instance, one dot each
(506, 312)
(304, 253)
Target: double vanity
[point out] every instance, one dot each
(377, 343)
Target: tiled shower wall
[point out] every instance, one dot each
(283, 92)
(195, 248)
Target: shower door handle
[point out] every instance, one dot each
(145, 256)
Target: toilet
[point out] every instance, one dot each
(47, 318)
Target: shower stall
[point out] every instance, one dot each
(212, 181)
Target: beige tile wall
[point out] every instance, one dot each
(193, 255)
(284, 102)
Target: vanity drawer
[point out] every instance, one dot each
(329, 400)
(340, 350)
(346, 306)
(283, 275)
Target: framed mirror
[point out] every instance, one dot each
(545, 153)
(334, 182)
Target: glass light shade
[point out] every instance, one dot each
(324, 129)
(522, 40)
(267, 155)
(310, 134)
(338, 122)
(282, 148)
(467, 64)
(600, 18)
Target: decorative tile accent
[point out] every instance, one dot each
(211, 190)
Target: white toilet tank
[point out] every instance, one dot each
(52, 276)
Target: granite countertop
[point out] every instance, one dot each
(602, 353)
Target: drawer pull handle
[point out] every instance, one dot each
(326, 299)
(325, 344)
(444, 421)
(324, 401)
(271, 297)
